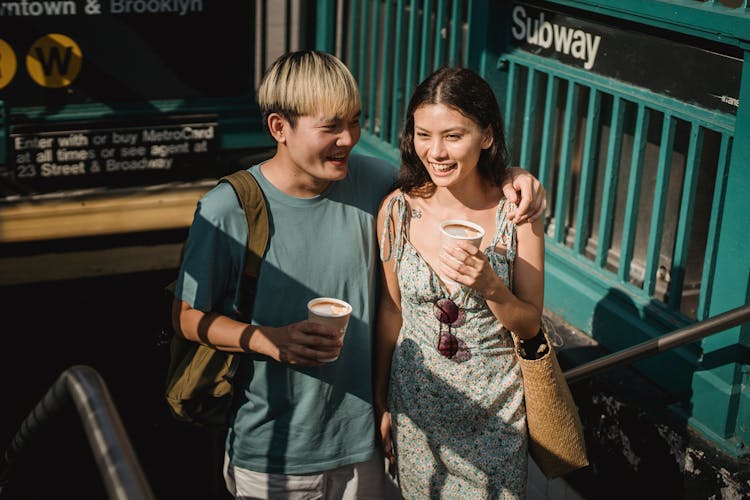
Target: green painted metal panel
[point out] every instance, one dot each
(579, 296)
(685, 219)
(411, 63)
(714, 120)
(440, 39)
(477, 30)
(562, 195)
(743, 410)
(710, 403)
(529, 116)
(373, 146)
(732, 271)
(566, 293)
(705, 20)
(385, 73)
(609, 190)
(398, 93)
(362, 25)
(714, 228)
(325, 25)
(545, 154)
(731, 283)
(588, 166)
(354, 60)
(656, 226)
(634, 193)
(456, 23)
(425, 46)
(510, 100)
(372, 89)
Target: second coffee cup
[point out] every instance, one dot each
(454, 230)
(330, 312)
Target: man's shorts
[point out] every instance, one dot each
(363, 480)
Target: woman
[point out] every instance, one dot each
(448, 389)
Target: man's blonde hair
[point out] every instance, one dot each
(308, 82)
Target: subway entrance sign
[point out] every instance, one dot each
(121, 93)
(48, 160)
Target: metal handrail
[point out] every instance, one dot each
(121, 472)
(677, 338)
(120, 469)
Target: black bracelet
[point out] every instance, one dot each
(532, 348)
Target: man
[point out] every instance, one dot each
(301, 428)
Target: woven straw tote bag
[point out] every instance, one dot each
(555, 431)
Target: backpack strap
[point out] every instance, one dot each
(253, 203)
(251, 199)
(250, 196)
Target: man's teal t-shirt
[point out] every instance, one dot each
(296, 420)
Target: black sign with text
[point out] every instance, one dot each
(60, 52)
(663, 64)
(84, 85)
(51, 160)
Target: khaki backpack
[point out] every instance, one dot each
(199, 384)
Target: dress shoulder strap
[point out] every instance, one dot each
(395, 229)
(505, 229)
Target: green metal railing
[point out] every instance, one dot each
(599, 207)
(642, 186)
(391, 51)
(391, 46)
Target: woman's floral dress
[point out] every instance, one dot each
(459, 427)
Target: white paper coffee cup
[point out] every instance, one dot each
(330, 312)
(455, 230)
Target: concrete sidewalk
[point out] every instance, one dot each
(539, 487)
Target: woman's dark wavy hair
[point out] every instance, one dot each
(465, 91)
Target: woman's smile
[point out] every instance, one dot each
(448, 142)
